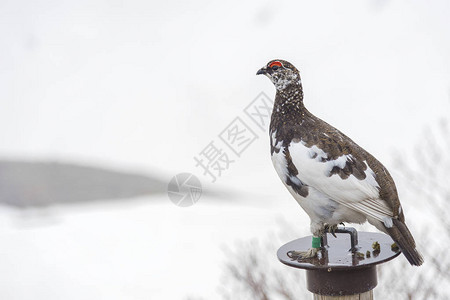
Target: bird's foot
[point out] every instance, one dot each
(299, 255)
(331, 229)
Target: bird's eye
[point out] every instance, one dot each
(275, 68)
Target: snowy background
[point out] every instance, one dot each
(141, 87)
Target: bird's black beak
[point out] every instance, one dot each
(262, 71)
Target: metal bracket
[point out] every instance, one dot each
(350, 230)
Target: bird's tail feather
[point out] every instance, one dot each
(404, 239)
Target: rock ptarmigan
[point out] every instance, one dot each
(332, 178)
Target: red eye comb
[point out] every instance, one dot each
(275, 63)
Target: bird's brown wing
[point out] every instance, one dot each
(316, 132)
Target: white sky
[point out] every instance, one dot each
(147, 85)
(131, 82)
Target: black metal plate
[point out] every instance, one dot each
(337, 255)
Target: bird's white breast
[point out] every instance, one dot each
(329, 198)
(314, 170)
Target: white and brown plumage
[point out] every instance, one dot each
(332, 178)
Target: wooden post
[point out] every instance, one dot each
(364, 296)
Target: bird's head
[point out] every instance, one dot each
(282, 73)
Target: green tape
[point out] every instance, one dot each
(315, 242)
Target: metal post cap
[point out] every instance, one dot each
(342, 267)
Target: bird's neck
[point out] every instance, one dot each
(288, 107)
